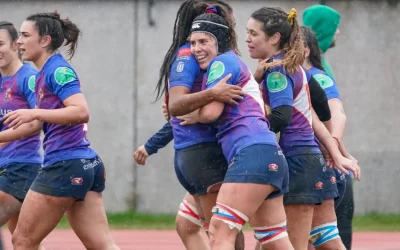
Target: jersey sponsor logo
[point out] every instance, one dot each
(32, 83)
(217, 69)
(4, 112)
(77, 181)
(323, 80)
(276, 82)
(64, 75)
(273, 167)
(180, 67)
(8, 95)
(184, 52)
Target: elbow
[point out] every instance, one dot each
(207, 115)
(173, 109)
(83, 116)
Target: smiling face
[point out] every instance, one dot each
(259, 44)
(8, 49)
(204, 48)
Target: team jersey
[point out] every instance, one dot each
(54, 83)
(242, 125)
(283, 89)
(325, 81)
(18, 92)
(185, 72)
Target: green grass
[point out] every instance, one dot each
(377, 222)
(132, 220)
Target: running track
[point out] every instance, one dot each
(168, 240)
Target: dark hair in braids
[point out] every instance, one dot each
(10, 28)
(58, 29)
(276, 20)
(310, 41)
(188, 11)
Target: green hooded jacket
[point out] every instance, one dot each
(324, 21)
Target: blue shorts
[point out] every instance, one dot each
(71, 178)
(201, 168)
(331, 184)
(16, 178)
(310, 180)
(341, 182)
(260, 164)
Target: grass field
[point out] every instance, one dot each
(131, 220)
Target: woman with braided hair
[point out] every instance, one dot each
(257, 176)
(73, 176)
(274, 37)
(199, 163)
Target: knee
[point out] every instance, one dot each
(220, 232)
(186, 227)
(20, 242)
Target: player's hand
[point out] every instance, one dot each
(327, 156)
(227, 93)
(353, 159)
(165, 111)
(140, 155)
(260, 71)
(191, 118)
(18, 117)
(345, 165)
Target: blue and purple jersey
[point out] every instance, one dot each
(54, 83)
(18, 92)
(242, 125)
(326, 82)
(185, 72)
(283, 89)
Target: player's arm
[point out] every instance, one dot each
(331, 145)
(219, 70)
(65, 85)
(76, 111)
(160, 139)
(280, 92)
(182, 102)
(338, 120)
(23, 131)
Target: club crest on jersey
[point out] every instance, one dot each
(41, 94)
(323, 80)
(8, 95)
(276, 82)
(64, 75)
(217, 69)
(32, 83)
(180, 67)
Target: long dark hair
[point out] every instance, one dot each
(310, 41)
(188, 11)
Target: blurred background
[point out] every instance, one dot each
(118, 61)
